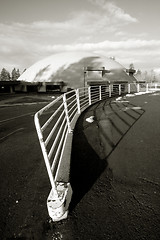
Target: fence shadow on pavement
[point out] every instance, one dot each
(94, 142)
(86, 165)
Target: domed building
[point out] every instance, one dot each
(70, 70)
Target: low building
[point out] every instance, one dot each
(8, 86)
(70, 70)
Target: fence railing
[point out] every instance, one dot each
(55, 123)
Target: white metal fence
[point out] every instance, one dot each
(56, 121)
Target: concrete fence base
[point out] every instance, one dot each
(58, 206)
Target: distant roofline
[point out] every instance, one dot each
(10, 82)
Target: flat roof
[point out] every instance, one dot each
(9, 82)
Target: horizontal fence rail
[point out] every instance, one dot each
(56, 121)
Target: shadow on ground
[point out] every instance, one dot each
(86, 166)
(94, 142)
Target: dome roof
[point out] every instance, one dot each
(69, 68)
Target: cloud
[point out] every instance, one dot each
(129, 45)
(22, 44)
(80, 27)
(114, 11)
(97, 24)
(119, 13)
(142, 53)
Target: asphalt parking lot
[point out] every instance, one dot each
(115, 172)
(24, 181)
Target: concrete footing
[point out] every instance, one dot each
(58, 206)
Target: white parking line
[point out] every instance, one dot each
(9, 119)
(19, 129)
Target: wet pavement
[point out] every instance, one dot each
(115, 172)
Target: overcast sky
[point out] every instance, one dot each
(34, 29)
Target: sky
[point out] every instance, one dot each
(34, 29)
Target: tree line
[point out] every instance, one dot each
(7, 76)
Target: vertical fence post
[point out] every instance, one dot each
(66, 112)
(147, 87)
(129, 88)
(89, 95)
(119, 89)
(100, 93)
(110, 91)
(155, 85)
(138, 87)
(78, 101)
